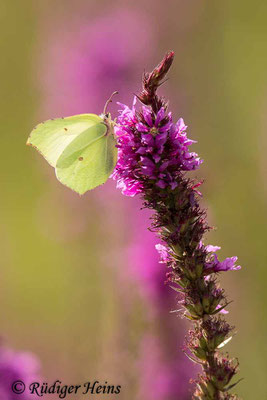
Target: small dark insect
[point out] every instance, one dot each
(65, 129)
(80, 158)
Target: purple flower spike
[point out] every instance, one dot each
(164, 143)
(163, 252)
(153, 158)
(211, 249)
(227, 265)
(214, 265)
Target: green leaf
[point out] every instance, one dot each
(81, 148)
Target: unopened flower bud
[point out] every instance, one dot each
(206, 303)
(200, 353)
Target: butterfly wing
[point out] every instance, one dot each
(82, 168)
(52, 137)
(74, 149)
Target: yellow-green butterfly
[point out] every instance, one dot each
(81, 148)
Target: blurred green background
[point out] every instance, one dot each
(59, 297)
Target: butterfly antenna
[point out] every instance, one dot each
(109, 101)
